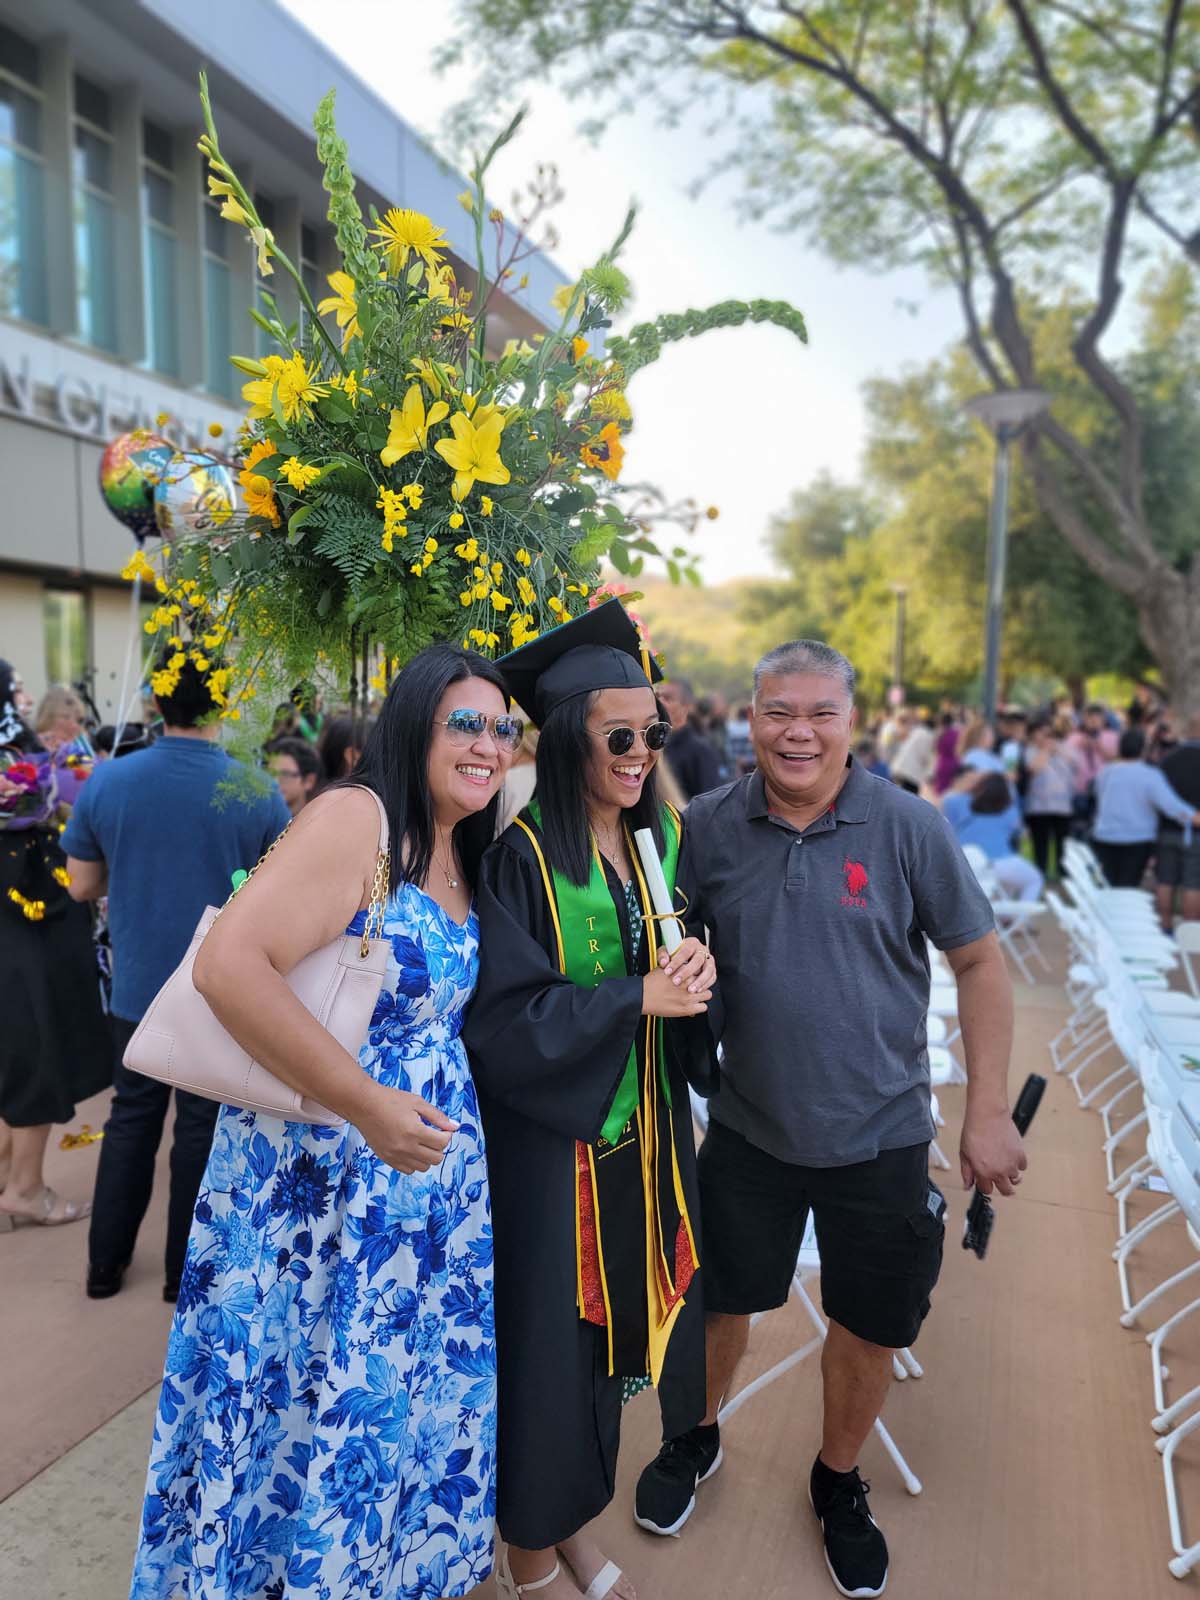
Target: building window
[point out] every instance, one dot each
(218, 324)
(95, 233)
(159, 250)
(64, 627)
(22, 183)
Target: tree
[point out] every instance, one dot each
(711, 640)
(1022, 153)
(919, 518)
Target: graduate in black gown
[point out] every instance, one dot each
(582, 1047)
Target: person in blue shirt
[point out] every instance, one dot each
(1131, 796)
(161, 833)
(987, 816)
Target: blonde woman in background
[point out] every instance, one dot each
(61, 717)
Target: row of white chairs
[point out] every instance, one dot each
(1131, 1048)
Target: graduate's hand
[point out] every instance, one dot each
(662, 998)
(691, 966)
(405, 1131)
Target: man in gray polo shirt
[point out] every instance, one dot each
(819, 885)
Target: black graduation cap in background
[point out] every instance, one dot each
(600, 650)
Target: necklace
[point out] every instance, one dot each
(451, 881)
(610, 846)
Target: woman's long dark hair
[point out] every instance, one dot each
(395, 763)
(339, 736)
(991, 795)
(564, 754)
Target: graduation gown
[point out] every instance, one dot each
(548, 1056)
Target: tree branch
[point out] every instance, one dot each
(1087, 353)
(1130, 579)
(1162, 119)
(1131, 528)
(1067, 114)
(1189, 243)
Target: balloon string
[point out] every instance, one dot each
(135, 600)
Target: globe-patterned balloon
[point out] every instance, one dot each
(195, 495)
(130, 469)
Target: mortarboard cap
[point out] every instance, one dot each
(600, 650)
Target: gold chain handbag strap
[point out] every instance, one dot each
(377, 905)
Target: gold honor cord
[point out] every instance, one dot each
(663, 1302)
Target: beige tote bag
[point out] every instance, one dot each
(180, 1042)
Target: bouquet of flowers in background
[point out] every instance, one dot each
(34, 787)
(401, 483)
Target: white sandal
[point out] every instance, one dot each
(604, 1582)
(514, 1591)
(45, 1212)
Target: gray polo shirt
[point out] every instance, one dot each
(819, 939)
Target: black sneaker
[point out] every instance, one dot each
(855, 1550)
(666, 1491)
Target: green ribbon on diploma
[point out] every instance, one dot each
(593, 951)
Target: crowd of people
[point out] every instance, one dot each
(368, 1315)
(1128, 782)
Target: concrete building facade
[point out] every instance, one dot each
(122, 291)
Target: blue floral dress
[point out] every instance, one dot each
(327, 1425)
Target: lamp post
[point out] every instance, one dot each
(1007, 413)
(897, 695)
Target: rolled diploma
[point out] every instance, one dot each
(660, 895)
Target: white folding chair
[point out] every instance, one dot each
(1187, 940)
(1014, 918)
(1180, 1164)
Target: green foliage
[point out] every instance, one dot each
(644, 342)
(349, 537)
(338, 181)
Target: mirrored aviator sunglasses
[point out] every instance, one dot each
(622, 740)
(464, 727)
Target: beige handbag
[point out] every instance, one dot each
(180, 1042)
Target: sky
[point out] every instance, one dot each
(738, 418)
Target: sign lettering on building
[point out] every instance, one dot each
(61, 387)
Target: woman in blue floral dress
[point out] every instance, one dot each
(327, 1422)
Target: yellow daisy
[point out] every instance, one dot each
(405, 233)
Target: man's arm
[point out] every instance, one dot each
(990, 1152)
(89, 879)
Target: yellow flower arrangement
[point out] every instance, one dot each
(407, 476)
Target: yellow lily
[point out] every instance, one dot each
(409, 427)
(263, 240)
(343, 304)
(474, 451)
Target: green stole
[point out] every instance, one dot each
(592, 949)
(635, 1246)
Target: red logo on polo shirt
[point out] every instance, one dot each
(856, 882)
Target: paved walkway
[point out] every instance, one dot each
(1030, 1430)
